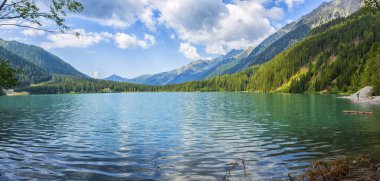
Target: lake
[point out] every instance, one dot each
(177, 136)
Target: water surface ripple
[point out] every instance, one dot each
(176, 136)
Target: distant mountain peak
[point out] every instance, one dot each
(116, 78)
(328, 11)
(288, 35)
(233, 53)
(237, 60)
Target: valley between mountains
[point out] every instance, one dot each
(333, 49)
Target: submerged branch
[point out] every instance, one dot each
(361, 167)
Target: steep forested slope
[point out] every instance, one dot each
(341, 56)
(29, 73)
(333, 58)
(239, 64)
(288, 35)
(41, 58)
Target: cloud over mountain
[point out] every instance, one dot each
(86, 39)
(218, 26)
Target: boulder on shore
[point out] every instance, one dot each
(365, 96)
(364, 93)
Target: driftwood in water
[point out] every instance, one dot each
(358, 112)
(359, 168)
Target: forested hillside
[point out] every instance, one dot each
(341, 56)
(29, 73)
(41, 58)
(72, 84)
(288, 35)
(240, 64)
(333, 58)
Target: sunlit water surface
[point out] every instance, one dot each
(177, 136)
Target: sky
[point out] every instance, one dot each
(136, 37)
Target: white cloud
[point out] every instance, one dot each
(120, 13)
(111, 22)
(95, 74)
(289, 21)
(8, 24)
(33, 32)
(125, 41)
(147, 18)
(219, 26)
(85, 39)
(15, 38)
(216, 48)
(292, 3)
(28, 28)
(150, 39)
(190, 52)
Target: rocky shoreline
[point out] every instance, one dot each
(11, 92)
(364, 97)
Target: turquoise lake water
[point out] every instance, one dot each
(177, 136)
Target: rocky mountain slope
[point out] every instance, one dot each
(190, 72)
(292, 33)
(341, 56)
(236, 61)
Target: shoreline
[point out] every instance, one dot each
(375, 100)
(11, 92)
(364, 97)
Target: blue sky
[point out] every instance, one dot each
(136, 37)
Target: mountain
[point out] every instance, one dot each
(236, 61)
(29, 73)
(69, 84)
(340, 56)
(326, 12)
(288, 35)
(117, 78)
(196, 70)
(40, 58)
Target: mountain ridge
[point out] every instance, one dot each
(189, 72)
(29, 72)
(265, 51)
(41, 58)
(339, 57)
(277, 42)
